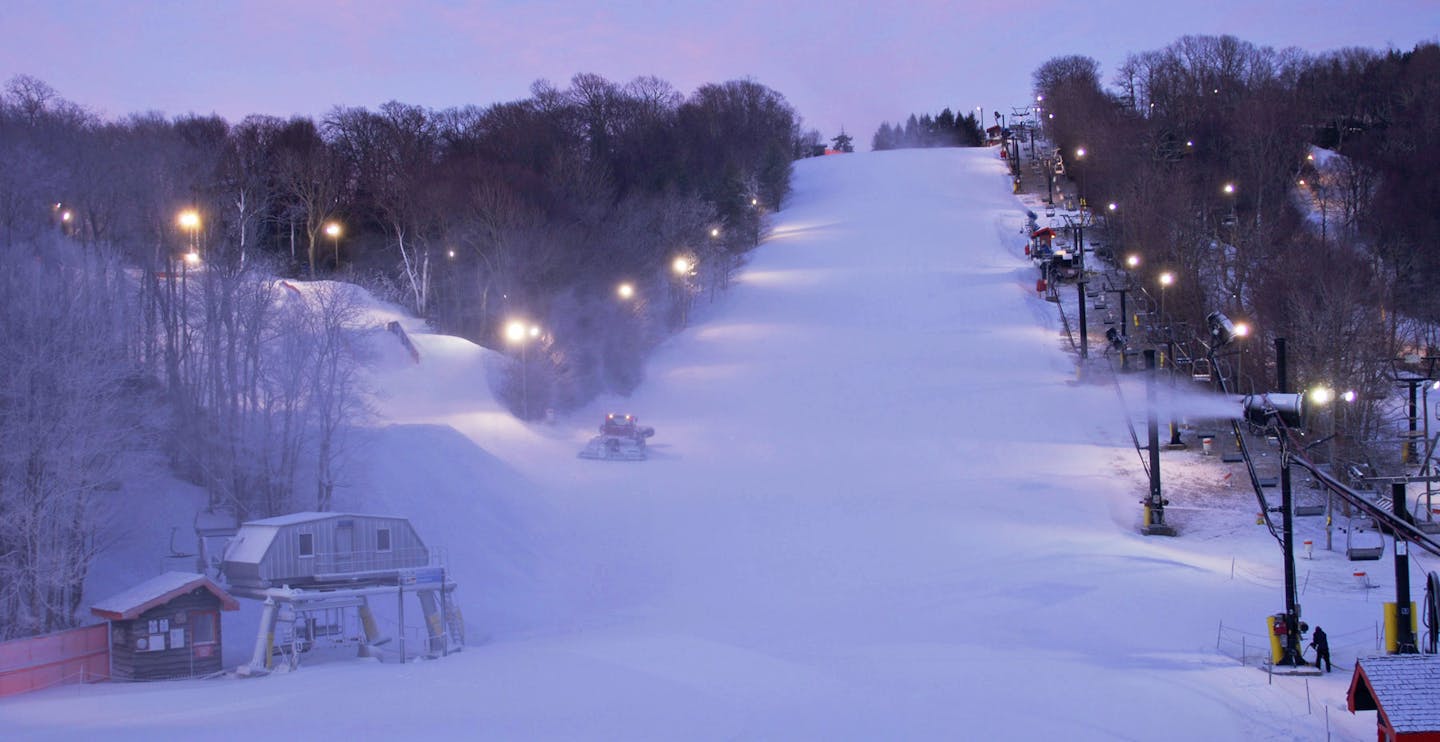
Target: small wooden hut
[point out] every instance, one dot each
(165, 627)
(1404, 691)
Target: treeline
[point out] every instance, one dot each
(140, 311)
(1205, 147)
(942, 130)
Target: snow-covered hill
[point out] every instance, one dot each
(878, 507)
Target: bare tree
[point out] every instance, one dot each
(335, 397)
(309, 177)
(63, 368)
(393, 156)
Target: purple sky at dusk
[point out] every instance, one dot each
(839, 63)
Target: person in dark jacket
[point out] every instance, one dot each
(1322, 648)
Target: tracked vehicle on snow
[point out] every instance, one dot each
(621, 438)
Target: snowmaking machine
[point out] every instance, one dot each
(621, 438)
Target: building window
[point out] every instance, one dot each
(202, 627)
(382, 539)
(307, 544)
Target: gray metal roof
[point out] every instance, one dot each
(306, 517)
(1407, 689)
(255, 536)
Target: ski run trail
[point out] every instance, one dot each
(878, 506)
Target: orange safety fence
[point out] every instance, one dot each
(75, 656)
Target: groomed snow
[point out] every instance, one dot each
(878, 506)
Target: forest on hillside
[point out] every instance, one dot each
(944, 129)
(1292, 190)
(140, 315)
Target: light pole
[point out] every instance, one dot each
(1132, 262)
(1166, 279)
(521, 333)
(1049, 165)
(1233, 221)
(333, 229)
(1123, 288)
(1324, 396)
(1080, 155)
(189, 220)
(1242, 330)
(684, 268)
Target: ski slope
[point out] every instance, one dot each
(879, 506)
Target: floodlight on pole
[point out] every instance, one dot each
(519, 332)
(333, 230)
(1166, 279)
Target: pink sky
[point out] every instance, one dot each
(840, 63)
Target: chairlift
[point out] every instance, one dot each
(176, 553)
(1363, 541)
(1201, 371)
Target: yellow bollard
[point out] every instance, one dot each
(1277, 652)
(1392, 626)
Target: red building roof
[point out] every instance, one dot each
(157, 591)
(1405, 691)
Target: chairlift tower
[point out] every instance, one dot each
(1414, 371)
(1417, 373)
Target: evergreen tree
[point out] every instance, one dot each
(970, 133)
(843, 142)
(912, 132)
(884, 138)
(927, 130)
(945, 129)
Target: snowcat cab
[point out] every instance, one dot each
(621, 438)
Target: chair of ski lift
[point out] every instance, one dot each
(1363, 541)
(1201, 371)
